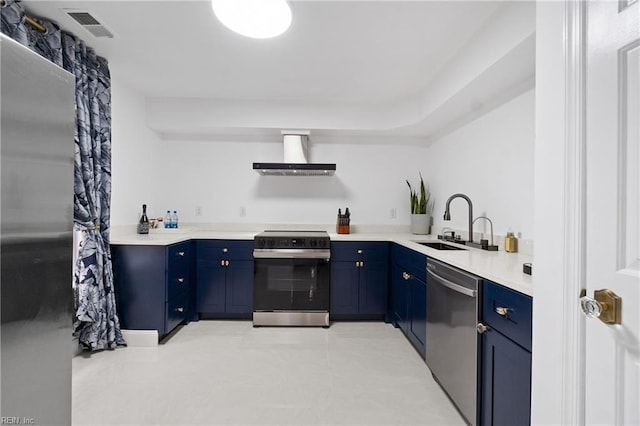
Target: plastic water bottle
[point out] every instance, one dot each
(167, 220)
(174, 219)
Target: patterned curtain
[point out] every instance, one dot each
(96, 322)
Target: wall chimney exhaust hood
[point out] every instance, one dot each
(296, 159)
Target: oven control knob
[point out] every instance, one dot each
(314, 243)
(261, 243)
(271, 243)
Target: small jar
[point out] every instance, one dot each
(510, 243)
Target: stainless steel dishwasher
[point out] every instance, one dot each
(451, 345)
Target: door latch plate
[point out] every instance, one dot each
(611, 306)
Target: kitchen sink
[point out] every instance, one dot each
(441, 246)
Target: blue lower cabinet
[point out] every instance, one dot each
(417, 314)
(506, 381)
(211, 284)
(399, 298)
(345, 283)
(176, 310)
(505, 362)
(374, 288)
(153, 286)
(409, 295)
(359, 280)
(224, 278)
(239, 287)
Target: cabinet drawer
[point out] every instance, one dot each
(178, 256)
(410, 261)
(176, 311)
(359, 251)
(227, 249)
(508, 312)
(177, 281)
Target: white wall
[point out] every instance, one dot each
(218, 176)
(133, 155)
(491, 161)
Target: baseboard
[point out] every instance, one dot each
(140, 338)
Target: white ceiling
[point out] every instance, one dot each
(335, 52)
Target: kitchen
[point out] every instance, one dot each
(214, 172)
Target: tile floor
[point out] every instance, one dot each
(228, 373)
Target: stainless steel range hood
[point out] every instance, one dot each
(296, 159)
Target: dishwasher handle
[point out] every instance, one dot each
(451, 285)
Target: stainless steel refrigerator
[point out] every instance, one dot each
(36, 214)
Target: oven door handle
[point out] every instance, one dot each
(291, 254)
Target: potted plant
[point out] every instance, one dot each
(420, 208)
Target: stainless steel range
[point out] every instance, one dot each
(292, 278)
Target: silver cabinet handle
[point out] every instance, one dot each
(222, 263)
(224, 250)
(359, 251)
(481, 328)
(500, 310)
(226, 263)
(180, 280)
(406, 276)
(180, 309)
(180, 254)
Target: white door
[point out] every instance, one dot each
(612, 378)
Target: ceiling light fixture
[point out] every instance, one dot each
(254, 18)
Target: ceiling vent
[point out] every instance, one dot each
(89, 23)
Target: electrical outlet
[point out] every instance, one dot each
(198, 210)
(392, 214)
(243, 211)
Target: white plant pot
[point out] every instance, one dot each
(420, 223)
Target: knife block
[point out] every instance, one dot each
(342, 229)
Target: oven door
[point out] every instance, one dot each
(291, 284)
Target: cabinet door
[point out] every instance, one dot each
(345, 277)
(373, 288)
(506, 381)
(399, 297)
(139, 281)
(210, 286)
(418, 313)
(239, 287)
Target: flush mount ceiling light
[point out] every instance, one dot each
(254, 18)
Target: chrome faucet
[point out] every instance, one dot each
(447, 215)
(490, 223)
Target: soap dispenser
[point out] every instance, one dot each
(510, 243)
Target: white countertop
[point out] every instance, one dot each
(500, 267)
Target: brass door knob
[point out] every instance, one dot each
(605, 305)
